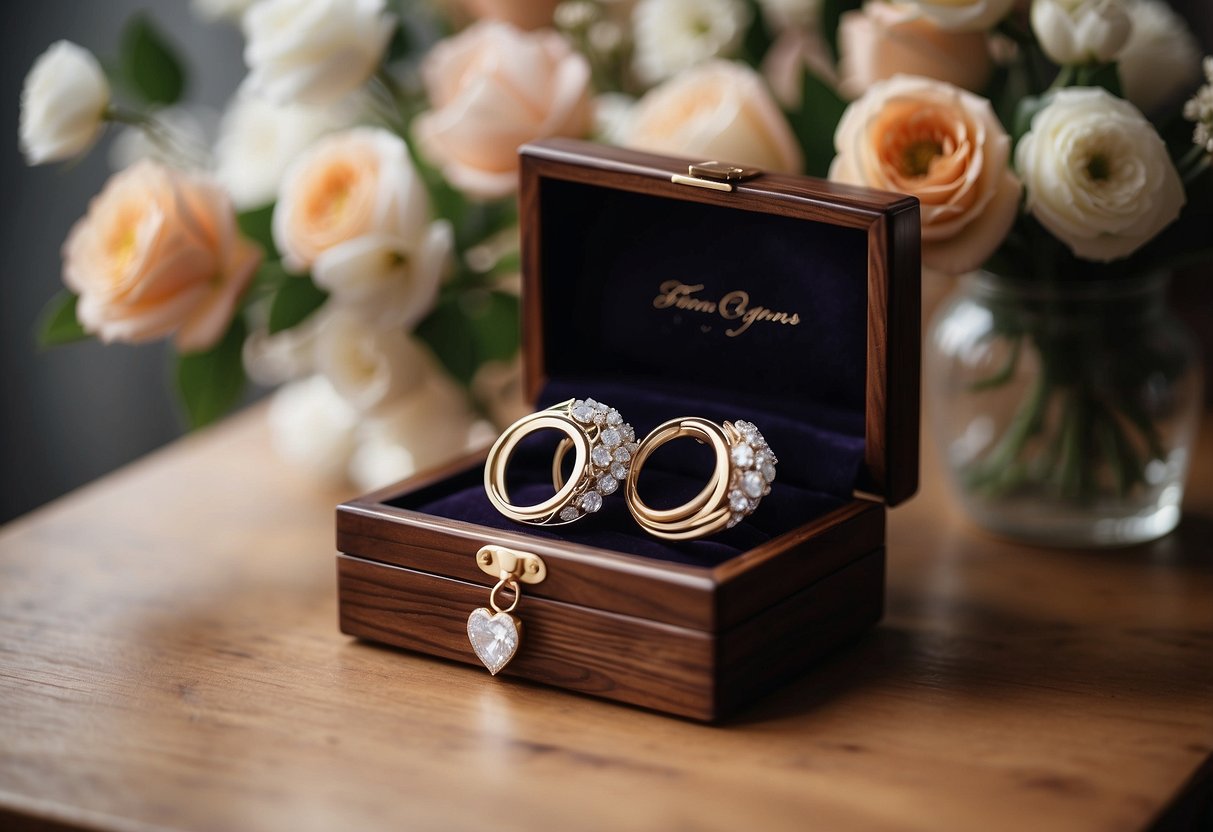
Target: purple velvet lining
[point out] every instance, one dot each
(605, 256)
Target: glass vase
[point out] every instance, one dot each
(1066, 413)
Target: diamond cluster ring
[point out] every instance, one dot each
(744, 471)
(603, 445)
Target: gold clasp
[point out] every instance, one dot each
(715, 176)
(500, 562)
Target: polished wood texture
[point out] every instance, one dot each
(892, 225)
(169, 658)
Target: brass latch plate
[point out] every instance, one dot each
(500, 562)
(716, 176)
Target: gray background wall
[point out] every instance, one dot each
(71, 414)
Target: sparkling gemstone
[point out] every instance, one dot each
(599, 418)
(569, 513)
(753, 484)
(611, 438)
(613, 418)
(768, 472)
(607, 484)
(600, 456)
(743, 456)
(583, 413)
(591, 404)
(623, 455)
(627, 433)
(591, 502)
(734, 520)
(761, 458)
(619, 471)
(493, 637)
(632, 447)
(738, 501)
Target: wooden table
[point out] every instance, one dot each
(169, 658)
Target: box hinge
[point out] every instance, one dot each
(715, 176)
(501, 563)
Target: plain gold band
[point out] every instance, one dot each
(708, 511)
(499, 457)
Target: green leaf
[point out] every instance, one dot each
(296, 299)
(820, 111)
(1100, 75)
(57, 324)
(257, 224)
(210, 383)
(149, 65)
(467, 330)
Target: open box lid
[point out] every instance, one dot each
(797, 296)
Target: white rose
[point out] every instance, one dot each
(1161, 60)
(258, 139)
(388, 280)
(63, 104)
(674, 35)
(965, 15)
(1097, 174)
(370, 367)
(220, 9)
(313, 428)
(284, 356)
(428, 427)
(494, 87)
(1073, 32)
(314, 51)
(717, 110)
(344, 187)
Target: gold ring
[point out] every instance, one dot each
(603, 443)
(745, 469)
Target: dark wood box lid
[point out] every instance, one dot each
(889, 392)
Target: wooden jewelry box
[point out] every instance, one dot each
(667, 291)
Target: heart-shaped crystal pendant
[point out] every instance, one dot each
(494, 637)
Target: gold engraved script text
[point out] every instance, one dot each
(735, 306)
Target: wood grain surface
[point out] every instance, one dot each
(169, 658)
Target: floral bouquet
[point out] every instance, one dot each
(351, 233)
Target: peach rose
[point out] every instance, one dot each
(946, 147)
(346, 186)
(158, 253)
(886, 39)
(494, 87)
(716, 110)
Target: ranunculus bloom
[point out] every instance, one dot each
(946, 147)
(886, 39)
(965, 15)
(1073, 32)
(158, 253)
(674, 35)
(495, 87)
(346, 186)
(314, 51)
(1097, 174)
(718, 110)
(1161, 60)
(63, 104)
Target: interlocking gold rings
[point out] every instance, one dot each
(603, 445)
(744, 471)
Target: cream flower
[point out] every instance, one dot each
(494, 87)
(674, 35)
(314, 51)
(428, 427)
(1097, 174)
(258, 139)
(1073, 32)
(344, 187)
(1161, 59)
(370, 367)
(946, 147)
(717, 110)
(388, 280)
(158, 253)
(886, 39)
(1200, 110)
(965, 15)
(63, 104)
(314, 429)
